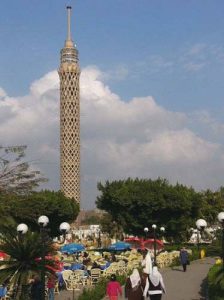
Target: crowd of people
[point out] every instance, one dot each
(145, 284)
(139, 286)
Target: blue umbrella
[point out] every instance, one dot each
(119, 246)
(72, 248)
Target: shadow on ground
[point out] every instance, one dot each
(204, 289)
(177, 269)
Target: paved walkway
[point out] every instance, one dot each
(179, 285)
(188, 285)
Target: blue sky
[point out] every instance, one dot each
(140, 36)
(170, 50)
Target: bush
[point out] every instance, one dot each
(98, 292)
(173, 247)
(215, 248)
(216, 283)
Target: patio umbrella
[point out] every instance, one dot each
(72, 248)
(149, 244)
(3, 255)
(119, 246)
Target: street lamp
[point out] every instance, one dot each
(221, 220)
(64, 228)
(43, 222)
(162, 229)
(146, 230)
(154, 241)
(22, 228)
(201, 224)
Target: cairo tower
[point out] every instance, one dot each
(69, 73)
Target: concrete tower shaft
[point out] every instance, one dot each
(69, 73)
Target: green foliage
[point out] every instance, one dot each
(212, 204)
(16, 176)
(216, 282)
(27, 209)
(112, 227)
(215, 248)
(23, 254)
(99, 291)
(136, 203)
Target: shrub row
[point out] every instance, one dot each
(216, 283)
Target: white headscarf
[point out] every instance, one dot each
(155, 276)
(148, 264)
(135, 278)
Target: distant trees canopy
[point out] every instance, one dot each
(27, 209)
(20, 204)
(138, 203)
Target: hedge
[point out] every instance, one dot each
(216, 283)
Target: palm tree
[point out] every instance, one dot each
(24, 253)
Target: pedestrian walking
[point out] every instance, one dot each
(3, 291)
(51, 287)
(36, 288)
(113, 288)
(134, 286)
(146, 264)
(184, 258)
(154, 285)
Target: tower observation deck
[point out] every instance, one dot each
(69, 73)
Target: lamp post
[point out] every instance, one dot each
(99, 237)
(162, 229)
(154, 241)
(146, 230)
(43, 222)
(22, 229)
(221, 220)
(64, 228)
(201, 224)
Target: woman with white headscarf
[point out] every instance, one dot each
(154, 287)
(134, 286)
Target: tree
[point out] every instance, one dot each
(137, 203)
(212, 204)
(16, 176)
(27, 209)
(24, 253)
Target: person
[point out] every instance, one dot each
(95, 265)
(154, 287)
(51, 287)
(113, 288)
(113, 258)
(86, 258)
(184, 259)
(134, 286)
(146, 264)
(36, 288)
(3, 290)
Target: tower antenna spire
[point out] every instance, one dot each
(69, 42)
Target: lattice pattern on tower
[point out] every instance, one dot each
(69, 73)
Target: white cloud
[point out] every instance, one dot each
(197, 49)
(118, 139)
(2, 93)
(193, 66)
